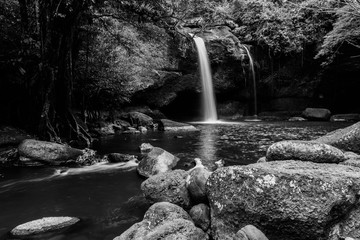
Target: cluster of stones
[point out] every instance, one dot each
(323, 114)
(136, 123)
(301, 190)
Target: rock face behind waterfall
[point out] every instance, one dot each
(347, 139)
(286, 200)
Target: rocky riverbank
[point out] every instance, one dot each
(300, 190)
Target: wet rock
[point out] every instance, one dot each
(89, 157)
(168, 125)
(142, 129)
(137, 119)
(167, 187)
(200, 214)
(351, 117)
(43, 225)
(346, 139)
(304, 151)
(351, 162)
(296, 119)
(47, 152)
(119, 157)
(164, 221)
(320, 114)
(131, 130)
(195, 184)
(156, 161)
(146, 147)
(351, 155)
(287, 199)
(109, 128)
(262, 159)
(9, 158)
(250, 232)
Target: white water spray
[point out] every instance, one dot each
(253, 77)
(209, 105)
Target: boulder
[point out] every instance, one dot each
(43, 226)
(320, 114)
(119, 157)
(146, 147)
(195, 184)
(286, 199)
(168, 125)
(156, 161)
(304, 151)
(167, 187)
(164, 221)
(346, 139)
(137, 119)
(200, 214)
(250, 232)
(351, 162)
(296, 119)
(107, 128)
(47, 152)
(351, 117)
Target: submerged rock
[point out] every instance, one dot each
(43, 225)
(156, 161)
(304, 151)
(168, 125)
(200, 214)
(167, 187)
(119, 157)
(164, 221)
(139, 119)
(146, 147)
(351, 117)
(250, 232)
(320, 114)
(47, 152)
(287, 199)
(346, 139)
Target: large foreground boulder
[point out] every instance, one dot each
(319, 114)
(43, 225)
(47, 152)
(304, 151)
(346, 139)
(164, 221)
(285, 199)
(156, 161)
(167, 187)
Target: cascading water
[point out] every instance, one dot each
(253, 77)
(209, 104)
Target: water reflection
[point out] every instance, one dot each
(207, 150)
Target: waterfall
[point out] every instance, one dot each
(253, 77)
(209, 105)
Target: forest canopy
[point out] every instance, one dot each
(60, 55)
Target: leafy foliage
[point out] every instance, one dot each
(284, 26)
(346, 31)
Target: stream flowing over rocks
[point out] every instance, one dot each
(286, 200)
